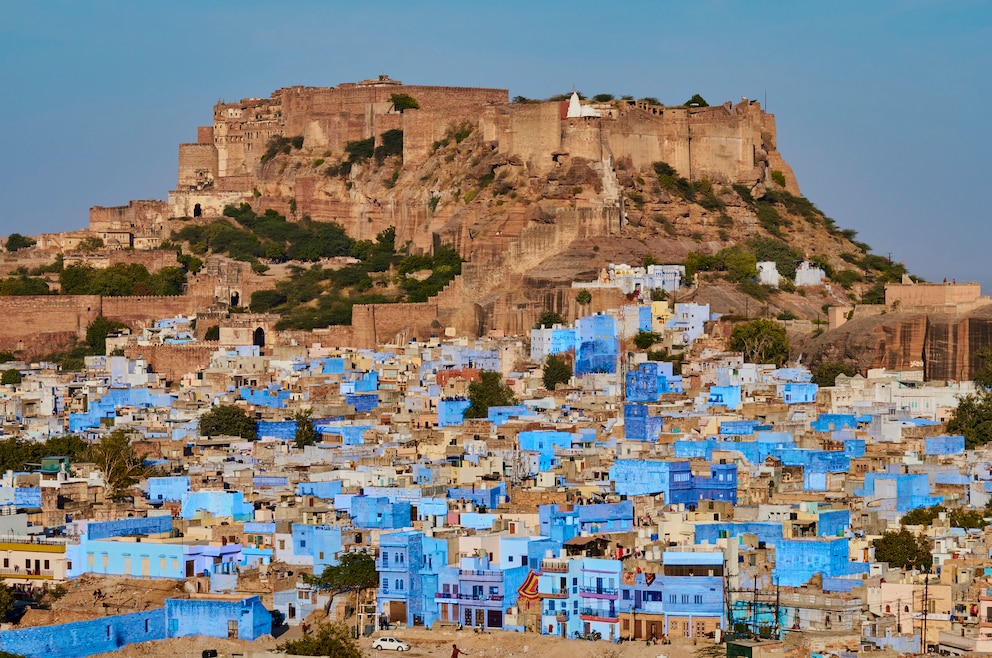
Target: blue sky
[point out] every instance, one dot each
(881, 105)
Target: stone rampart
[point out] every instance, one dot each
(136, 214)
(173, 361)
(960, 296)
(197, 165)
(38, 325)
(136, 311)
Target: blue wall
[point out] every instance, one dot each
(85, 638)
(192, 617)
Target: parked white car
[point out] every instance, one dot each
(388, 642)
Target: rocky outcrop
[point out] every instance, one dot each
(942, 345)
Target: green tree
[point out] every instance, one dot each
(983, 368)
(489, 391)
(91, 243)
(69, 446)
(697, 100)
(645, 339)
(212, 333)
(658, 295)
(825, 374)
(97, 332)
(327, 640)
(121, 464)
(403, 102)
(921, 515)
(903, 549)
(16, 241)
(967, 518)
(556, 371)
(761, 341)
(550, 318)
(6, 601)
(584, 298)
(354, 572)
(972, 418)
(11, 376)
(228, 420)
(603, 98)
(306, 435)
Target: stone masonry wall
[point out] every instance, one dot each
(173, 361)
(38, 325)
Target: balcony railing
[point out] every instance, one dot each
(34, 574)
(481, 597)
(599, 591)
(556, 594)
(594, 614)
(554, 566)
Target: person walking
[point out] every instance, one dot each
(455, 651)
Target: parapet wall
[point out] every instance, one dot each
(40, 324)
(963, 296)
(173, 361)
(197, 165)
(136, 214)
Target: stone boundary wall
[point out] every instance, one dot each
(173, 361)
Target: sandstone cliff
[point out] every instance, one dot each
(941, 344)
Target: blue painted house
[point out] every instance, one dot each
(598, 345)
(409, 564)
(685, 600)
(638, 477)
(476, 594)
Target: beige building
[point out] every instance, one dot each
(32, 562)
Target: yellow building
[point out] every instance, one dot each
(23, 561)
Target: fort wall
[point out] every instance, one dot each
(961, 296)
(173, 361)
(197, 165)
(41, 324)
(153, 260)
(531, 132)
(136, 214)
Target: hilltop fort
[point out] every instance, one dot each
(532, 195)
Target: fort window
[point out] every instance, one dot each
(235, 298)
(197, 211)
(258, 337)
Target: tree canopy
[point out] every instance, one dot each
(645, 339)
(490, 391)
(550, 318)
(761, 341)
(11, 376)
(228, 420)
(97, 332)
(957, 517)
(6, 601)
(306, 435)
(556, 371)
(354, 571)
(973, 419)
(16, 241)
(825, 374)
(121, 464)
(903, 549)
(17, 454)
(698, 101)
(327, 640)
(404, 102)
